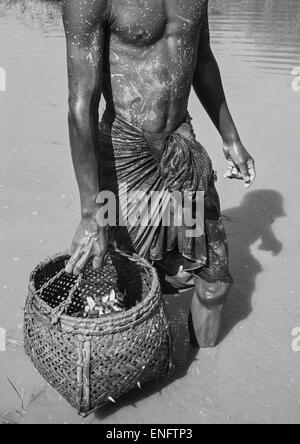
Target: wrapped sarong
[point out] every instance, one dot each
(143, 165)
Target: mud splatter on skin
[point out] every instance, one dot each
(148, 53)
(153, 50)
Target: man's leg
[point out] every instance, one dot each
(206, 312)
(213, 282)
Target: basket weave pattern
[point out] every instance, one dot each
(92, 362)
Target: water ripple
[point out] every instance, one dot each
(264, 34)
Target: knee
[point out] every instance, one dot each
(212, 293)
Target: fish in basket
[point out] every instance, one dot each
(97, 336)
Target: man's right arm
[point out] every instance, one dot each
(84, 28)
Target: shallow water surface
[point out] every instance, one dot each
(253, 375)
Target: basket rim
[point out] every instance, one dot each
(146, 306)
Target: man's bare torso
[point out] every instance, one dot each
(150, 56)
(144, 56)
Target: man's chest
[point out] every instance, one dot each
(144, 22)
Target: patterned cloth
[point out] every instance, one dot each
(133, 160)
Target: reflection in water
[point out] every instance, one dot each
(260, 32)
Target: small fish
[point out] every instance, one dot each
(112, 295)
(91, 303)
(100, 311)
(105, 299)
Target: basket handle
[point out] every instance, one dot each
(60, 310)
(134, 258)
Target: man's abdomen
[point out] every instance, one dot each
(148, 87)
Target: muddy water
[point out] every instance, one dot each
(253, 375)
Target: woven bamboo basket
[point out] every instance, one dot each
(92, 362)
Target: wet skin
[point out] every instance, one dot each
(152, 54)
(144, 56)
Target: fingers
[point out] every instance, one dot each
(229, 172)
(83, 253)
(78, 245)
(248, 172)
(73, 260)
(240, 164)
(252, 172)
(80, 258)
(97, 262)
(81, 263)
(244, 171)
(245, 174)
(233, 173)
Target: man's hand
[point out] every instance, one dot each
(90, 241)
(241, 165)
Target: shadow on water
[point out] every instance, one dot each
(247, 224)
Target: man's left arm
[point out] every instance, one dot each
(208, 86)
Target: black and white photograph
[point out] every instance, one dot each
(150, 214)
